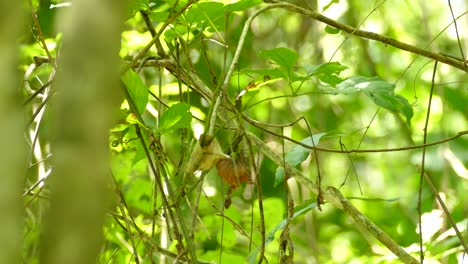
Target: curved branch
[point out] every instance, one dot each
(334, 196)
(227, 79)
(155, 39)
(374, 36)
(260, 125)
(199, 87)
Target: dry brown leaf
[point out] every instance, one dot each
(233, 172)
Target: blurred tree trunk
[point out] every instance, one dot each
(85, 102)
(12, 155)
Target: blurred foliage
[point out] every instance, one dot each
(291, 67)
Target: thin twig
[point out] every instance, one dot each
(333, 196)
(421, 252)
(456, 31)
(258, 184)
(357, 28)
(285, 239)
(40, 35)
(260, 126)
(168, 209)
(424, 175)
(336, 198)
(198, 86)
(156, 37)
(319, 175)
(227, 79)
(428, 44)
(446, 211)
(128, 220)
(374, 36)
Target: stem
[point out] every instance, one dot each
(374, 36)
(423, 163)
(240, 45)
(334, 196)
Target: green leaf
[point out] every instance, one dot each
(298, 211)
(175, 32)
(157, 16)
(331, 79)
(137, 195)
(326, 72)
(140, 154)
(297, 155)
(242, 5)
(177, 116)
(379, 91)
(457, 99)
(135, 6)
(325, 68)
(279, 176)
(207, 14)
(331, 30)
(330, 4)
(137, 90)
(285, 57)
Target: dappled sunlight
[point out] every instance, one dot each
(240, 131)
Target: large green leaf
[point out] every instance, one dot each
(333, 67)
(177, 116)
(298, 211)
(297, 155)
(136, 89)
(137, 194)
(326, 72)
(175, 32)
(135, 6)
(207, 14)
(159, 16)
(379, 91)
(242, 5)
(286, 58)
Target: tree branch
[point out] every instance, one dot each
(374, 36)
(333, 196)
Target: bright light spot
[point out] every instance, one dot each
(66, 4)
(124, 105)
(462, 258)
(197, 129)
(437, 108)
(169, 88)
(197, 173)
(455, 162)
(152, 110)
(431, 223)
(194, 55)
(135, 40)
(273, 145)
(210, 191)
(302, 103)
(362, 85)
(373, 26)
(218, 43)
(204, 102)
(335, 10)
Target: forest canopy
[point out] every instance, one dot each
(248, 131)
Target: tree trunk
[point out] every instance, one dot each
(12, 156)
(86, 99)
